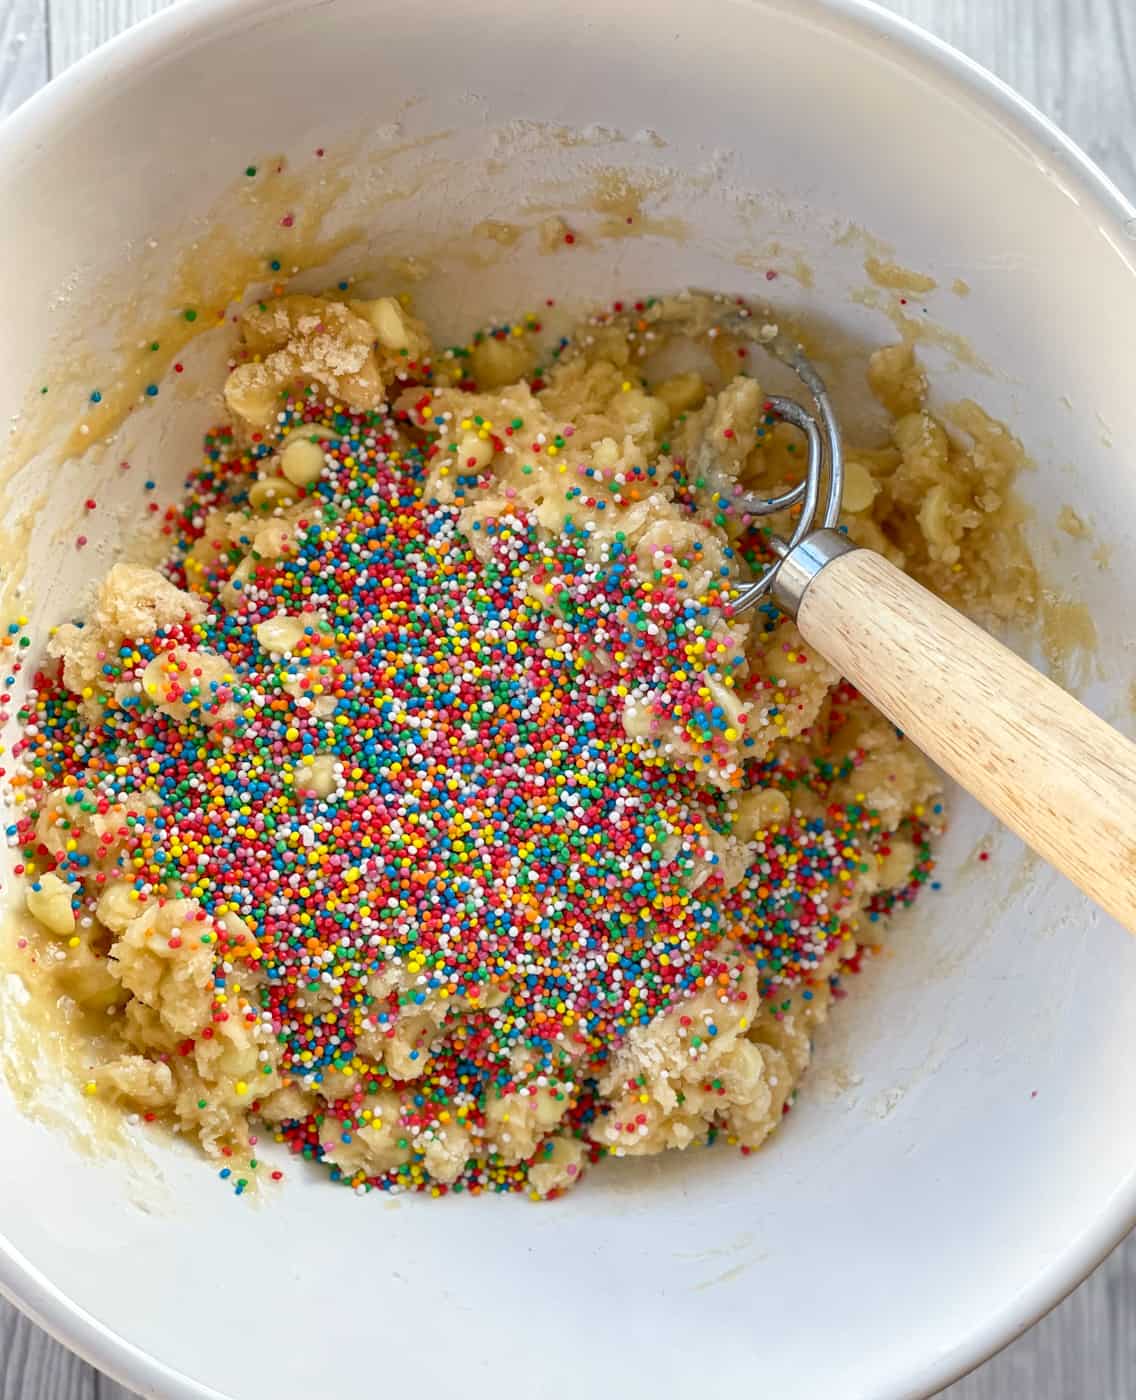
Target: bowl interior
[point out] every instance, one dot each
(963, 1150)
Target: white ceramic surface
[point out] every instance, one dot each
(896, 1231)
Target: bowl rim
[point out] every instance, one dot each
(21, 1282)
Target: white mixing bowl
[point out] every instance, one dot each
(965, 1151)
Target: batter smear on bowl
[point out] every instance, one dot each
(428, 810)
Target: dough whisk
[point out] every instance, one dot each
(1051, 770)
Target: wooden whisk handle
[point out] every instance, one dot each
(1054, 772)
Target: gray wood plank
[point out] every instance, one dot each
(23, 51)
(37, 42)
(78, 26)
(33, 1367)
(1076, 60)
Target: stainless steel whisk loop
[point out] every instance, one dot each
(824, 476)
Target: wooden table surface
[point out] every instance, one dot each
(1076, 60)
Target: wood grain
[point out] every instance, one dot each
(23, 51)
(75, 27)
(1046, 766)
(1073, 59)
(33, 1367)
(1076, 61)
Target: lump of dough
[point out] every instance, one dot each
(758, 810)
(287, 1104)
(516, 1123)
(682, 549)
(137, 602)
(445, 1149)
(402, 1038)
(788, 684)
(897, 379)
(351, 352)
(87, 836)
(184, 683)
(260, 538)
(49, 903)
(379, 1143)
(890, 776)
(119, 903)
(661, 1081)
(86, 978)
(718, 1059)
(136, 1080)
(558, 1165)
(302, 339)
(131, 602)
(162, 959)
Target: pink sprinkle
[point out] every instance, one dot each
(287, 221)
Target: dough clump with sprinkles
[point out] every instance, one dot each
(428, 811)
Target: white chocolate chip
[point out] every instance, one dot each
(302, 461)
(272, 491)
(50, 904)
(281, 633)
(317, 775)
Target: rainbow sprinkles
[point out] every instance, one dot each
(428, 811)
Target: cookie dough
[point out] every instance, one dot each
(428, 810)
